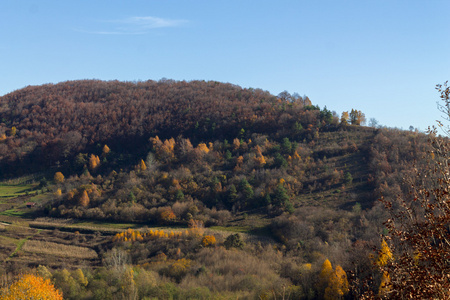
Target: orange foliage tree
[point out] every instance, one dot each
(164, 150)
(94, 161)
(84, 199)
(167, 215)
(142, 166)
(31, 287)
(59, 177)
(337, 284)
(58, 193)
(357, 117)
(344, 118)
(202, 148)
(105, 150)
(259, 158)
(208, 241)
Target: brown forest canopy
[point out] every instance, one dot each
(40, 125)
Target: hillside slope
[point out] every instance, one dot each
(198, 154)
(50, 123)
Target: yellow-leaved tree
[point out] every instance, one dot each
(384, 255)
(31, 287)
(59, 177)
(259, 158)
(344, 118)
(80, 278)
(84, 199)
(105, 150)
(142, 166)
(202, 148)
(384, 287)
(58, 193)
(13, 131)
(208, 241)
(357, 117)
(337, 285)
(324, 276)
(94, 162)
(164, 150)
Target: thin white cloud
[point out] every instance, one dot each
(135, 25)
(151, 22)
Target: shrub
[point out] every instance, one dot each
(208, 241)
(31, 287)
(234, 241)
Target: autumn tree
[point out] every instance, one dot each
(84, 199)
(167, 215)
(59, 177)
(43, 272)
(58, 193)
(13, 131)
(164, 150)
(178, 269)
(384, 287)
(105, 150)
(345, 118)
(259, 158)
(337, 284)
(384, 255)
(127, 284)
(31, 287)
(208, 241)
(357, 117)
(236, 144)
(324, 276)
(80, 277)
(94, 162)
(419, 227)
(142, 166)
(202, 148)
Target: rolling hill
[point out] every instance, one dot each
(298, 182)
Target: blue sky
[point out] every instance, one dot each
(383, 57)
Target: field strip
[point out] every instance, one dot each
(51, 248)
(19, 246)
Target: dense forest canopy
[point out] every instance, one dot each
(53, 122)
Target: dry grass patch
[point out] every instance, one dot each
(59, 249)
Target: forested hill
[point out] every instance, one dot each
(42, 125)
(204, 154)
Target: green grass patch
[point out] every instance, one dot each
(107, 225)
(84, 226)
(38, 197)
(9, 191)
(234, 229)
(13, 213)
(19, 246)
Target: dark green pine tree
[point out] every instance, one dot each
(232, 194)
(247, 190)
(286, 146)
(282, 199)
